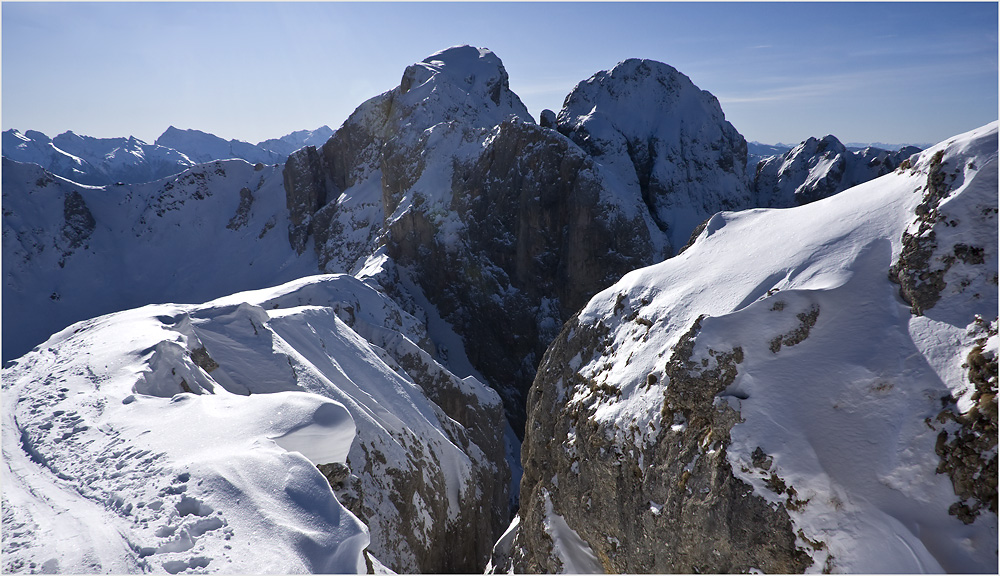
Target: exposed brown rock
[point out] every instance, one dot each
(673, 506)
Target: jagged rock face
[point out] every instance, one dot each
(664, 139)
(759, 404)
(819, 168)
(534, 205)
(538, 243)
(79, 224)
(924, 268)
(303, 174)
(504, 223)
(672, 506)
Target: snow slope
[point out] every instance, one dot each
(190, 435)
(844, 397)
(110, 466)
(72, 252)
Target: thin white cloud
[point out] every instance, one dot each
(785, 88)
(797, 91)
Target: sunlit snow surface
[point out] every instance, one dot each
(101, 477)
(215, 229)
(111, 466)
(843, 412)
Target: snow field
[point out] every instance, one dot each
(192, 433)
(167, 225)
(838, 376)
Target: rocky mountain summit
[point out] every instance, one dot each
(665, 140)
(507, 223)
(818, 168)
(791, 406)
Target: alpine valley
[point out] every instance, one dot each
(447, 337)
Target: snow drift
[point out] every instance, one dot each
(189, 436)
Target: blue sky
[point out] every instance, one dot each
(889, 72)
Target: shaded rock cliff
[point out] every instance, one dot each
(760, 404)
(509, 227)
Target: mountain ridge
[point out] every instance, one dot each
(101, 161)
(437, 254)
(791, 403)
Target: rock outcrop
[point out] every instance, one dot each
(79, 223)
(760, 404)
(670, 506)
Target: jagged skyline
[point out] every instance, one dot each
(889, 72)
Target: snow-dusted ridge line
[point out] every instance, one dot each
(175, 479)
(101, 161)
(141, 243)
(776, 352)
(188, 429)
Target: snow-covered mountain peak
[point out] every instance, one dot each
(827, 145)
(820, 167)
(664, 138)
(34, 135)
(462, 82)
(638, 92)
(298, 139)
(204, 147)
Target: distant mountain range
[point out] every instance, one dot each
(853, 146)
(100, 161)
